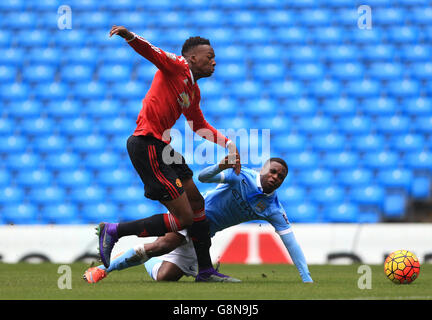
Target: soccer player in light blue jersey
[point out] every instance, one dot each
(251, 195)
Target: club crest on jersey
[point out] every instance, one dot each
(184, 100)
(178, 183)
(260, 206)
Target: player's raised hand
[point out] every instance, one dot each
(233, 157)
(122, 32)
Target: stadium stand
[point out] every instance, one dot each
(349, 109)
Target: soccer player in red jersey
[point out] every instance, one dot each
(163, 171)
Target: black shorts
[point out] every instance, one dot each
(160, 167)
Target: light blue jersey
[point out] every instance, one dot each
(239, 198)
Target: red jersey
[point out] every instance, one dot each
(173, 92)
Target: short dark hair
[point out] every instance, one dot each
(278, 160)
(192, 42)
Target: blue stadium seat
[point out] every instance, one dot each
(385, 71)
(265, 71)
(341, 212)
(423, 124)
(341, 53)
(378, 52)
(347, 70)
(262, 107)
(418, 160)
(77, 73)
(380, 106)
(363, 88)
(388, 16)
(328, 35)
(259, 53)
(290, 35)
(276, 18)
(114, 72)
(346, 16)
(237, 53)
(73, 178)
(393, 125)
(51, 91)
(60, 214)
(403, 88)
(12, 5)
(381, 159)
(240, 18)
(301, 160)
(82, 55)
(302, 213)
(21, 213)
(35, 177)
(305, 108)
(49, 144)
(100, 108)
(47, 195)
(415, 53)
(25, 109)
(247, 89)
(315, 125)
(146, 72)
(94, 20)
(73, 38)
(90, 90)
(220, 106)
(140, 210)
(315, 178)
(339, 106)
(21, 19)
(394, 206)
(15, 91)
(314, 17)
(277, 124)
(402, 34)
(354, 177)
(5, 38)
(286, 89)
(291, 194)
(7, 73)
(129, 195)
(231, 72)
(328, 142)
(324, 89)
(11, 56)
(252, 35)
(340, 160)
(355, 124)
(367, 142)
(88, 143)
(407, 142)
(102, 160)
(421, 187)
(44, 56)
(23, 161)
(116, 126)
(63, 109)
(5, 177)
(129, 90)
(400, 179)
(289, 142)
(306, 71)
(373, 195)
(328, 194)
(207, 18)
(417, 106)
(115, 177)
(422, 70)
(37, 126)
(301, 54)
(367, 36)
(62, 161)
(212, 89)
(97, 212)
(12, 144)
(7, 126)
(76, 126)
(87, 194)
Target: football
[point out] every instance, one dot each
(402, 267)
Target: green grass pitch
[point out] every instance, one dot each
(26, 281)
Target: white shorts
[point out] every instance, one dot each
(183, 257)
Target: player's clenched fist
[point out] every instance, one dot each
(122, 32)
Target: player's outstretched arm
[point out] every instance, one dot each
(297, 256)
(215, 173)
